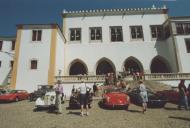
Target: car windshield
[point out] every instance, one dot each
(13, 91)
(113, 90)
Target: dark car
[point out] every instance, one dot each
(42, 89)
(172, 96)
(154, 100)
(74, 102)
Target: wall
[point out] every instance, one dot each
(5, 61)
(117, 52)
(26, 78)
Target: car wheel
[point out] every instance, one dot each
(16, 99)
(127, 107)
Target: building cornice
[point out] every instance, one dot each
(126, 11)
(7, 38)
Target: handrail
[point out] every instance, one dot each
(101, 78)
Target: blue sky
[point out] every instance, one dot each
(13, 12)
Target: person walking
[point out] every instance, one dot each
(143, 95)
(182, 95)
(83, 98)
(59, 92)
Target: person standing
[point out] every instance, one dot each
(83, 98)
(182, 95)
(59, 92)
(143, 95)
(94, 89)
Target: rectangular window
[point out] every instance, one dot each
(1, 45)
(75, 34)
(136, 32)
(36, 35)
(13, 45)
(34, 64)
(0, 64)
(96, 33)
(116, 34)
(156, 31)
(11, 63)
(187, 42)
(183, 28)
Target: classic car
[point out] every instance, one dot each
(41, 91)
(14, 95)
(172, 95)
(115, 98)
(74, 101)
(47, 101)
(154, 100)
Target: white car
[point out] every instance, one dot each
(47, 101)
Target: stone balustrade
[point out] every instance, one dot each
(101, 78)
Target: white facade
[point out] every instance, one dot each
(6, 56)
(55, 53)
(144, 51)
(45, 52)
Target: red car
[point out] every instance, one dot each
(115, 98)
(14, 95)
(172, 95)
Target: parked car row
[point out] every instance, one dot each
(112, 98)
(13, 95)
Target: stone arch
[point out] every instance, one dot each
(159, 65)
(104, 66)
(132, 64)
(77, 67)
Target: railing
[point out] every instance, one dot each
(101, 78)
(167, 76)
(79, 78)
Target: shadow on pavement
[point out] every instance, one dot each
(73, 113)
(180, 118)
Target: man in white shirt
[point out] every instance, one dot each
(83, 98)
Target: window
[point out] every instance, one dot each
(156, 31)
(75, 34)
(167, 32)
(1, 45)
(183, 28)
(36, 35)
(34, 64)
(0, 64)
(96, 33)
(136, 32)
(116, 34)
(13, 45)
(187, 42)
(11, 63)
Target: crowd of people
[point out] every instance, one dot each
(84, 91)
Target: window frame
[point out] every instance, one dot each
(31, 65)
(1, 45)
(11, 63)
(187, 44)
(182, 28)
(95, 35)
(136, 30)
(116, 33)
(75, 34)
(37, 37)
(13, 45)
(0, 63)
(157, 31)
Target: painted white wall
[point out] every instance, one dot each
(90, 53)
(5, 61)
(184, 57)
(60, 54)
(26, 78)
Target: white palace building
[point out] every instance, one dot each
(95, 42)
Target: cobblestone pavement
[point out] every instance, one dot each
(21, 115)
